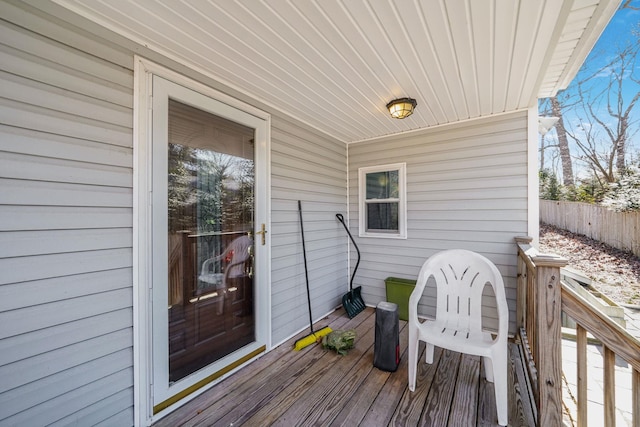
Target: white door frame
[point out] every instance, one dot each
(144, 70)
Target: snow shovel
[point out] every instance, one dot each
(352, 301)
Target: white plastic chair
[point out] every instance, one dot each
(238, 253)
(460, 277)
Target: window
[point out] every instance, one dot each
(382, 201)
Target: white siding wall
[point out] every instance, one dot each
(310, 168)
(65, 227)
(466, 188)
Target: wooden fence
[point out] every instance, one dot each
(618, 229)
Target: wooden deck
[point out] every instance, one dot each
(319, 387)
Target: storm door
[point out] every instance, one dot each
(208, 233)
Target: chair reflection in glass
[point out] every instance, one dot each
(235, 256)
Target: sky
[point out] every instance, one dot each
(622, 30)
(618, 27)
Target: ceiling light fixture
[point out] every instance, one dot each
(545, 124)
(401, 108)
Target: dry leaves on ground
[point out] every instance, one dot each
(616, 272)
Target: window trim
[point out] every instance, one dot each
(401, 200)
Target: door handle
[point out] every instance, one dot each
(263, 233)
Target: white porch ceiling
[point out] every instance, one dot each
(334, 64)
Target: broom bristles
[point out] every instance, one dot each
(312, 338)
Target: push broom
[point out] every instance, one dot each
(314, 337)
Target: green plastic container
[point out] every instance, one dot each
(398, 291)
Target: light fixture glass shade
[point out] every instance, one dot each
(545, 124)
(401, 108)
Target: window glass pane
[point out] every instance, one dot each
(383, 185)
(382, 216)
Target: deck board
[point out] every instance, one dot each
(377, 388)
(387, 398)
(411, 406)
(466, 393)
(319, 387)
(438, 405)
(487, 403)
(520, 409)
(312, 381)
(316, 390)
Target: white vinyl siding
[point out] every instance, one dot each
(66, 159)
(308, 167)
(466, 188)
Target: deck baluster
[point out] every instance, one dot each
(581, 348)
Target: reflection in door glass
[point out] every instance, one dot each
(210, 223)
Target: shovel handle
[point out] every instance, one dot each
(341, 219)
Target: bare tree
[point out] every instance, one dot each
(605, 121)
(563, 143)
(598, 118)
(554, 107)
(627, 5)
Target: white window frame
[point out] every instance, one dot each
(401, 200)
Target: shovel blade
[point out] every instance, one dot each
(353, 303)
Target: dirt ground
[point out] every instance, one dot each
(616, 272)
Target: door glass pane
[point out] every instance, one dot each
(210, 223)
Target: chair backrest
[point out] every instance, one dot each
(239, 251)
(460, 276)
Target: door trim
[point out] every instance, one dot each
(205, 381)
(144, 70)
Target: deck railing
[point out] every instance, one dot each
(616, 341)
(541, 299)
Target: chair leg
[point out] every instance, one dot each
(222, 295)
(500, 384)
(488, 368)
(413, 357)
(428, 353)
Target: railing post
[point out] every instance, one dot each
(548, 330)
(521, 286)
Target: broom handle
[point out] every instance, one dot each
(341, 219)
(306, 273)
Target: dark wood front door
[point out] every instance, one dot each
(211, 321)
(210, 223)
